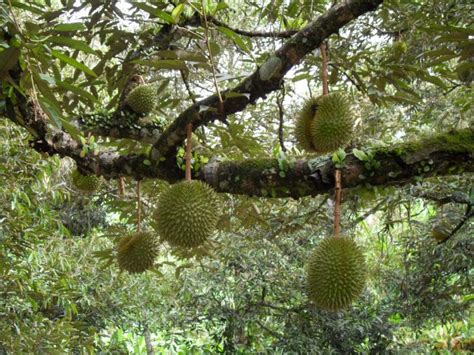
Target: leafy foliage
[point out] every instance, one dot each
(408, 69)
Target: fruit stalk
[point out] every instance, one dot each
(189, 131)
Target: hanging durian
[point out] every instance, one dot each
(187, 213)
(336, 273)
(303, 124)
(142, 99)
(324, 124)
(333, 123)
(85, 183)
(136, 252)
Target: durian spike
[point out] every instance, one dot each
(189, 132)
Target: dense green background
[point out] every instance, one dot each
(60, 288)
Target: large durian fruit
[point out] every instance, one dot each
(303, 124)
(142, 99)
(333, 122)
(136, 252)
(187, 213)
(85, 183)
(336, 273)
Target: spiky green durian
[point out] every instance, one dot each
(85, 183)
(303, 124)
(336, 273)
(332, 125)
(142, 99)
(136, 252)
(187, 213)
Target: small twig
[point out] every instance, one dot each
(188, 88)
(280, 123)
(469, 214)
(337, 207)
(139, 207)
(324, 68)
(282, 34)
(211, 59)
(189, 132)
(368, 213)
(272, 332)
(121, 187)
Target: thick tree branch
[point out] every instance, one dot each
(444, 154)
(433, 156)
(264, 80)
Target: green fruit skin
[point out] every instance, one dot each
(336, 273)
(303, 124)
(142, 99)
(187, 213)
(333, 123)
(85, 183)
(136, 252)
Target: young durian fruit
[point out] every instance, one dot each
(187, 213)
(136, 252)
(303, 124)
(85, 183)
(333, 123)
(336, 273)
(142, 99)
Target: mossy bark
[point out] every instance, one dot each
(444, 154)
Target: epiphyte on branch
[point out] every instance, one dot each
(187, 213)
(336, 273)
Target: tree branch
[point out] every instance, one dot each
(265, 79)
(275, 34)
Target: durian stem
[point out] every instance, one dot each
(324, 69)
(337, 207)
(139, 206)
(121, 187)
(189, 132)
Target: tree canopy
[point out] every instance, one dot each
(237, 75)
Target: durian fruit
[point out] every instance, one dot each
(136, 252)
(336, 273)
(332, 125)
(142, 99)
(303, 124)
(85, 183)
(187, 213)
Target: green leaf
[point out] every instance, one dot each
(434, 80)
(71, 61)
(72, 43)
(8, 59)
(220, 6)
(175, 14)
(235, 38)
(50, 109)
(21, 5)
(162, 64)
(67, 27)
(155, 12)
(78, 91)
(360, 154)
